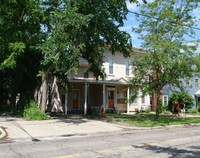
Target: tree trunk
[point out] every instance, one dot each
(44, 93)
(157, 106)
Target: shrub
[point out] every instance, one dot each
(147, 110)
(31, 111)
(198, 107)
(193, 111)
(179, 96)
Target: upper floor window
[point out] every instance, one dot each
(187, 83)
(86, 74)
(110, 65)
(196, 82)
(127, 68)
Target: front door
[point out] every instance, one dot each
(75, 99)
(111, 99)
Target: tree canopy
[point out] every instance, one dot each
(165, 27)
(51, 35)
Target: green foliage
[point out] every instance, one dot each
(160, 106)
(20, 39)
(147, 110)
(161, 121)
(169, 56)
(193, 111)
(8, 109)
(38, 35)
(31, 111)
(84, 29)
(181, 96)
(198, 107)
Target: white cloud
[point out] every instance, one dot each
(132, 6)
(196, 12)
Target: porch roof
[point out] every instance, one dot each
(197, 93)
(113, 81)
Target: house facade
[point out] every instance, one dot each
(191, 86)
(87, 94)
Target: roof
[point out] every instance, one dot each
(197, 93)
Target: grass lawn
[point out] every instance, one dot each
(161, 121)
(139, 115)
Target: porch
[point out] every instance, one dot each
(82, 98)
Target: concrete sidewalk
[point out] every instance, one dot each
(19, 128)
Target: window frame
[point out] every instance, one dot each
(111, 67)
(164, 99)
(127, 69)
(187, 85)
(195, 83)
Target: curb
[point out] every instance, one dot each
(3, 133)
(127, 126)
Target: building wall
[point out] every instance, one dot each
(192, 89)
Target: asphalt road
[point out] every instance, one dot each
(177, 142)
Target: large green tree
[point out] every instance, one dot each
(52, 35)
(20, 36)
(83, 29)
(165, 27)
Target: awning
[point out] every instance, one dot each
(197, 93)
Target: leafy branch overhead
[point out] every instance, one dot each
(170, 55)
(84, 29)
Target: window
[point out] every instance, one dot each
(165, 100)
(111, 66)
(143, 100)
(134, 96)
(86, 74)
(196, 82)
(127, 68)
(187, 83)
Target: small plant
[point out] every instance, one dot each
(147, 110)
(167, 112)
(137, 111)
(198, 107)
(193, 111)
(31, 111)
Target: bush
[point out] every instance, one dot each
(179, 96)
(8, 109)
(147, 110)
(31, 111)
(198, 107)
(193, 111)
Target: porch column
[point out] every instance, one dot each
(104, 98)
(85, 105)
(66, 99)
(128, 104)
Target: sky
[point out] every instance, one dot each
(131, 22)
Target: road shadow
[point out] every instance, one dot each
(75, 121)
(175, 152)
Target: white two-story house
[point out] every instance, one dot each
(87, 93)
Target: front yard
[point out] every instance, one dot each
(148, 120)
